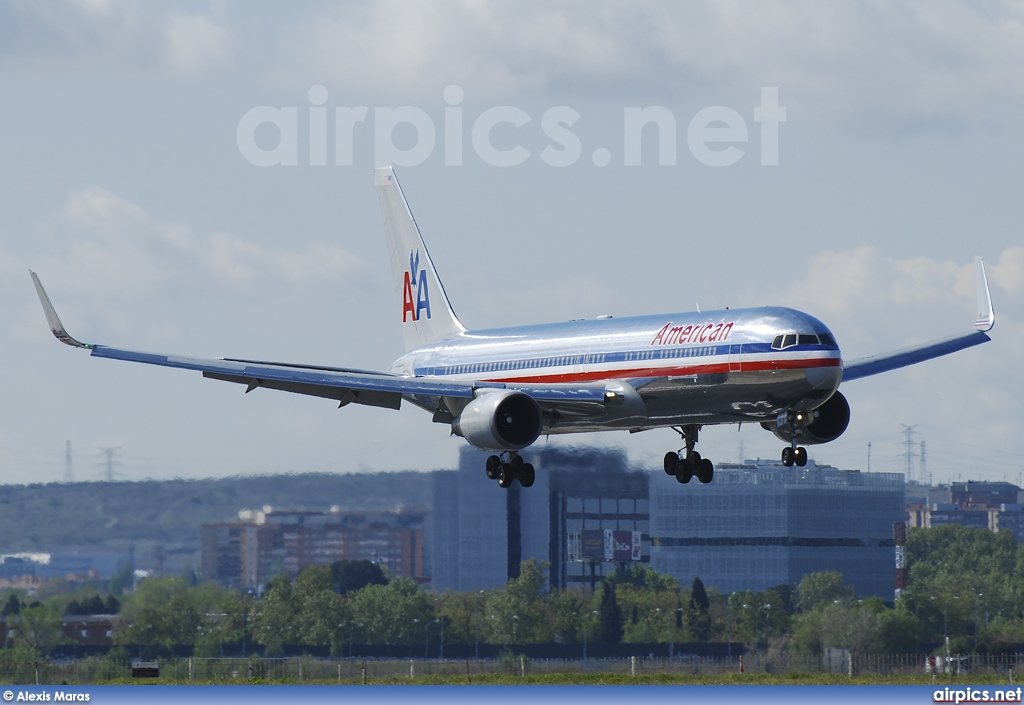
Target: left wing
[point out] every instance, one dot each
(867, 366)
(347, 386)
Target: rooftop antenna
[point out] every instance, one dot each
(869, 456)
(69, 476)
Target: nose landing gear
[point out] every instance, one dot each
(509, 467)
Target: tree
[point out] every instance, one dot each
(611, 616)
(162, 613)
(321, 611)
(12, 606)
(387, 612)
(698, 612)
(519, 612)
(350, 576)
(273, 625)
(824, 587)
(39, 627)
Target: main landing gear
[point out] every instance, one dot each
(509, 467)
(794, 454)
(686, 463)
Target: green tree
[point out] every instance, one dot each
(519, 612)
(322, 613)
(396, 613)
(855, 627)
(350, 576)
(276, 616)
(12, 606)
(821, 588)
(161, 613)
(39, 627)
(698, 612)
(610, 615)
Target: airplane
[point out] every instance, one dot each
(502, 389)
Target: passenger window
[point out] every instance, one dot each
(789, 341)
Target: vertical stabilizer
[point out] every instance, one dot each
(424, 310)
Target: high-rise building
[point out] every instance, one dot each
(762, 525)
(586, 506)
(246, 553)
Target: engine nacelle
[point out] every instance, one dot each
(500, 420)
(824, 424)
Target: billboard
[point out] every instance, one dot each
(610, 545)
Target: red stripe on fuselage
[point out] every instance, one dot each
(711, 368)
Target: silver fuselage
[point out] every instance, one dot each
(715, 367)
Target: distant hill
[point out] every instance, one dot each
(162, 519)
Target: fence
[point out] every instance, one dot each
(93, 670)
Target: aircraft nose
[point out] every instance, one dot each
(824, 377)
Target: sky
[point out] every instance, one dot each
(193, 178)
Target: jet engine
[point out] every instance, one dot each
(500, 420)
(824, 424)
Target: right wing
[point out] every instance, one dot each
(347, 386)
(876, 364)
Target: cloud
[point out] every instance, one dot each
(874, 302)
(194, 44)
(120, 35)
(868, 62)
(105, 244)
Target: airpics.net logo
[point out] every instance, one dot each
(716, 136)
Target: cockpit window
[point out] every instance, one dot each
(777, 343)
(807, 339)
(789, 341)
(826, 339)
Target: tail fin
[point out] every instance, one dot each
(426, 313)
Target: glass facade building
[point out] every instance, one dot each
(761, 525)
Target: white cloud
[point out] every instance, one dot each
(108, 245)
(119, 35)
(195, 44)
(869, 62)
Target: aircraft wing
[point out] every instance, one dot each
(867, 366)
(345, 385)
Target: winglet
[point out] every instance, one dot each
(986, 316)
(56, 327)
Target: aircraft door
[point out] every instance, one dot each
(735, 364)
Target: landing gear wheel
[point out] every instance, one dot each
(684, 471)
(693, 457)
(516, 463)
(527, 475)
(493, 464)
(671, 463)
(506, 475)
(788, 456)
(800, 456)
(705, 471)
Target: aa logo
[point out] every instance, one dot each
(415, 295)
